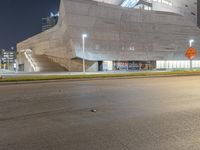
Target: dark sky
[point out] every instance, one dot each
(20, 19)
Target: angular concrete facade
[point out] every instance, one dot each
(114, 34)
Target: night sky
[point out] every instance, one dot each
(20, 19)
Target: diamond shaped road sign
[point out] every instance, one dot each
(191, 53)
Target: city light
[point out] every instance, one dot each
(83, 42)
(84, 35)
(191, 41)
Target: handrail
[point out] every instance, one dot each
(27, 53)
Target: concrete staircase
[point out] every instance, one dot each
(46, 65)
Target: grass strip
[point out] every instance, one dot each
(93, 76)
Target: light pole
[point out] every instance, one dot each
(190, 44)
(8, 62)
(83, 42)
(0, 63)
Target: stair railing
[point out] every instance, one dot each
(28, 55)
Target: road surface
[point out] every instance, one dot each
(132, 114)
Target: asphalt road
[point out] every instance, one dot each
(132, 114)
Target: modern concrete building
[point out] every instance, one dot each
(121, 34)
(198, 13)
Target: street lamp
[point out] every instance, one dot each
(8, 62)
(83, 42)
(190, 42)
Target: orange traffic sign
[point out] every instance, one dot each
(191, 53)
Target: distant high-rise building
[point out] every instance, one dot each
(7, 57)
(49, 21)
(1, 56)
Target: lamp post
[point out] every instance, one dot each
(83, 42)
(8, 62)
(190, 44)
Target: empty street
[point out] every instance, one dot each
(111, 114)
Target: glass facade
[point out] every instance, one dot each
(177, 64)
(130, 3)
(134, 3)
(126, 65)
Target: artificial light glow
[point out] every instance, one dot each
(177, 64)
(191, 41)
(107, 65)
(84, 35)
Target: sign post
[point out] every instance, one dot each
(190, 54)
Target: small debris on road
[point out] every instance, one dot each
(93, 110)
